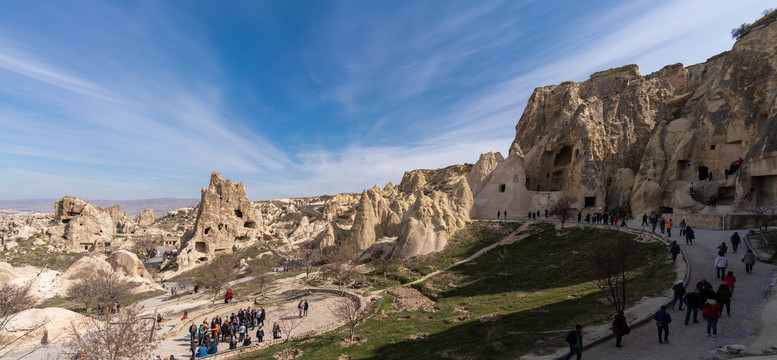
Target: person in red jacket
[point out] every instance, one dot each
(711, 313)
(620, 327)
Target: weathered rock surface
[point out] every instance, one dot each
(620, 139)
(225, 222)
(146, 217)
(81, 226)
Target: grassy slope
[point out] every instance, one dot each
(544, 297)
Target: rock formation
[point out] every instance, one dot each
(623, 140)
(81, 226)
(146, 217)
(225, 222)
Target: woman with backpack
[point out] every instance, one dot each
(620, 327)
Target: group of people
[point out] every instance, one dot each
(233, 329)
(601, 218)
(533, 215)
(228, 296)
(103, 309)
(303, 307)
(503, 214)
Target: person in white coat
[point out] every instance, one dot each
(721, 263)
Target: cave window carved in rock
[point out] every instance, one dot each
(238, 213)
(207, 231)
(250, 224)
(712, 147)
(590, 201)
(557, 180)
(65, 221)
(703, 172)
(666, 210)
(564, 157)
(221, 226)
(502, 187)
(684, 170)
(200, 246)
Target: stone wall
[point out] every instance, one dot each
(702, 221)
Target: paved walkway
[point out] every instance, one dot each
(689, 341)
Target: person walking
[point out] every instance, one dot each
(300, 307)
(306, 307)
(723, 247)
(730, 281)
(498, 214)
(692, 302)
(711, 314)
(721, 263)
(679, 294)
(575, 341)
(674, 249)
(644, 219)
(735, 241)
(724, 299)
(620, 327)
(662, 323)
(749, 261)
(689, 236)
(669, 228)
(682, 227)
(662, 225)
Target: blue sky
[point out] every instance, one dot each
(144, 99)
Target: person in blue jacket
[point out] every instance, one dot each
(202, 352)
(662, 322)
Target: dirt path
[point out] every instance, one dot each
(507, 240)
(319, 317)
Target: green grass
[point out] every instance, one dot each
(199, 273)
(27, 254)
(545, 296)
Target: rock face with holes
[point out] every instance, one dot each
(624, 140)
(226, 221)
(81, 226)
(145, 217)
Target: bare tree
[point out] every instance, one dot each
(562, 208)
(347, 311)
(383, 264)
(501, 256)
(13, 300)
(110, 286)
(307, 258)
(261, 270)
(608, 263)
(288, 323)
(144, 244)
(120, 336)
(221, 271)
(764, 213)
(100, 286)
(340, 267)
(82, 290)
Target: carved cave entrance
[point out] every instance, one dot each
(590, 201)
(704, 173)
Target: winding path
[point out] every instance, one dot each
(690, 341)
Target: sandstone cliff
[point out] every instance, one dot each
(623, 140)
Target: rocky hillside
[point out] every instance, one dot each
(621, 139)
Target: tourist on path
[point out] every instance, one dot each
(735, 240)
(579, 216)
(723, 247)
(498, 213)
(669, 228)
(575, 341)
(679, 294)
(711, 313)
(662, 323)
(306, 307)
(721, 263)
(689, 236)
(724, 299)
(674, 249)
(620, 327)
(749, 261)
(644, 220)
(301, 307)
(693, 302)
(682, 227)
(730, 281)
